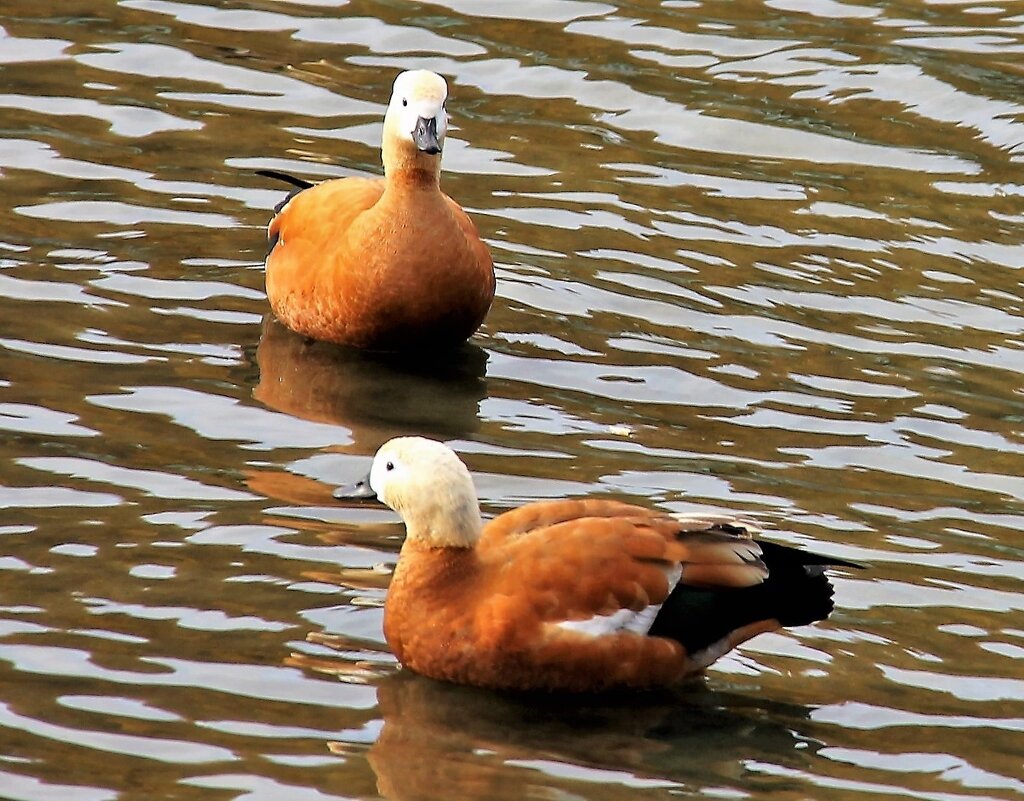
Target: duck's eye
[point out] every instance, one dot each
(405, 102)
(389, 466)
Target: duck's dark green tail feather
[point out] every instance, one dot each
(300, 184)
(277, 175)
(796, 592)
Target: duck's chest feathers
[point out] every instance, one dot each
(416, 221)
(428, 608)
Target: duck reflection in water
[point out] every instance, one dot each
(376, 396)
(444, 741)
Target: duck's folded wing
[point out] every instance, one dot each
(313, 218)
(602, 566)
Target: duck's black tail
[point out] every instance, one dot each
(796, 592)
(294, 180)
(299, 184)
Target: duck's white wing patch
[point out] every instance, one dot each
(624, 620)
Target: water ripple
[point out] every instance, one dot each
(752, 257)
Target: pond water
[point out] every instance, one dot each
(757, 256)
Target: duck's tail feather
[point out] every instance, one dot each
(300, 184)
(294, 180)
(795, 593)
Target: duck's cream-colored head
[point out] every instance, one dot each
(429, 486)
(416, 122)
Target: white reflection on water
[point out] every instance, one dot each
(266, 683)
(164, 750)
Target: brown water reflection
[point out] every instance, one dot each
(757, 256)
(378, 396)
(444, 742)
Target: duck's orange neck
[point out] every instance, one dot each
(433, 573)
(413, 178)
(405, 165)
(426, 582)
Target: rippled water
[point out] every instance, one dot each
(755, 256)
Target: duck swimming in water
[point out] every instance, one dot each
(573, 595)
(387, 263)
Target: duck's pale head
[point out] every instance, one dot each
(429, 486)
(416, 120)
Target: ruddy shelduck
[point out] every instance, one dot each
(388, 264)
(573, 595)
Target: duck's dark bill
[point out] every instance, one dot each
(361, 489)
(425, 135)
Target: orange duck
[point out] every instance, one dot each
(573, 595)
(387, 264)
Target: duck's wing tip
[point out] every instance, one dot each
(775, 551)
(717, 521)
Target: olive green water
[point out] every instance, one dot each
(753, 256)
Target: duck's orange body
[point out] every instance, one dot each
(489, 616)
(585, 595)
(392, 263)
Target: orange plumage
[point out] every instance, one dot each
(392, 263)
(573, 595)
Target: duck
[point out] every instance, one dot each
(574, 595)
(388, 263)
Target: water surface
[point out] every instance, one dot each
(752, 256)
